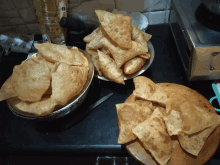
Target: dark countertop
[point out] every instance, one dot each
(96, 133)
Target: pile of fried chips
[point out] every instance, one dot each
(117, 47)
(154, 118)
(52, 77)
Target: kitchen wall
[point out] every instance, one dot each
(157, 11)
(18, 15)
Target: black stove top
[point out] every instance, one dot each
(207, 17)
(96, 133)
(193, 9)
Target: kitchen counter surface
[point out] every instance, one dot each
(97, 132)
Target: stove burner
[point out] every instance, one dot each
(207, 18)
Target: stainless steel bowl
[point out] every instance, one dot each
(142, 70)
(71, 105)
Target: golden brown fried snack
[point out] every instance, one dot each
(89, 37)
(117, 26)
(146, 56)
(134, 65)
(105, 50)
(194, 143)
(177, 118)
(30, 84)
(129, 116)
(193, 129)
(67, 82)
(61, 53)
(139, 36)
(121, 55)
(95, 59)
(109, 68)
(8, 89)
(155, 138)
(29, 81)
(95, 42)
(40, 58)
(79, 57)
(147, 36)
(42, 107)
(140, 102)
(148, 90)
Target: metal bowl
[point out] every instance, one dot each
(142, 70)
(69, 107)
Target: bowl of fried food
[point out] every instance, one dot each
(50, 84)
(118, 49)
(168, 124)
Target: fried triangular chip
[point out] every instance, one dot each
(147, 89)
(139, 36)
(117, 26)
(194, 143)
(129, 116)
(139, 101)
(95, 59)
(67, 82)
(121, 55)
(109, 68)
(29, 81)
(89, 37)
(79, 57)
(8, 89)
(154, 136)
(147, 36)
(42, 107)
(61, 53)
(177, 117)
(95, 42)
(181, 157)
(50, 65)
(40, 58)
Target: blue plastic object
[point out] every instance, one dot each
(217, 95)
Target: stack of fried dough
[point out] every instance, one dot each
(51, 78)
(156, 119)
(117, 47)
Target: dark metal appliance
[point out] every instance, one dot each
(196, 29)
